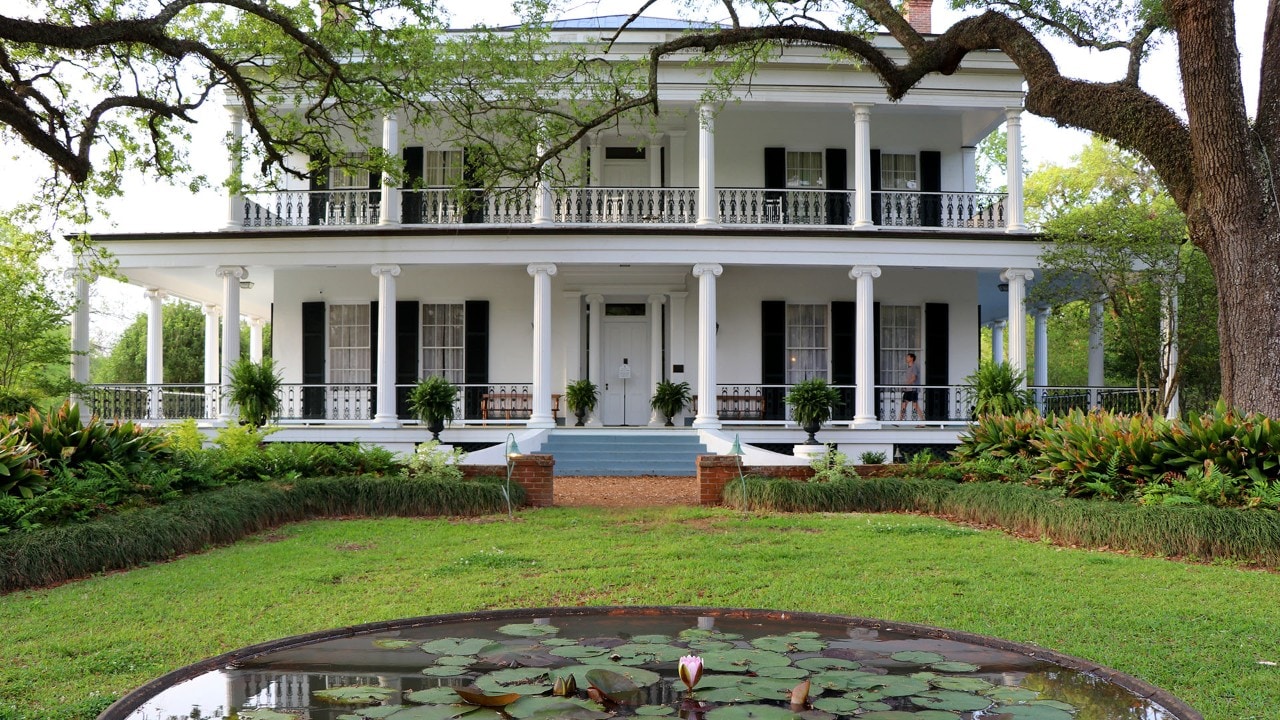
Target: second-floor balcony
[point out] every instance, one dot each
(620, 206)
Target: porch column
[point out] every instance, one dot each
(1040, 377)
(675, 162)
(1013, 168)
(969, 168)
(597, 161)
(212, 363)
(80, 332)
(865, 346)
(231, 276)
(862, 168)
(655, 160)
(542, 198)
(386, 388)
(675, 352)
(255, 338)
(997, 341)
(389, 209)
(708, 207)
(1017, 279)
(155, 349)
(540, 415)
(656, 419)
(1169, 356)
(707, 416)
(235, 203)
(595, 350)
(1097, 377)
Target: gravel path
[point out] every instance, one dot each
(644, 491)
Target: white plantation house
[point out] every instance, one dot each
(808, 229)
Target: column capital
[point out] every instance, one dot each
(1017, 274)
(211, 310)
(657, 299)
(380, 269)
(1041, 311)
(595, 298)
(862, 111)
(236, 271)
(154, 294)
(541, 268)
(998, 323)
(79, 273)
(236, 112)
(857, 271)
(257, 322)
(1013, 115)
(704, 268)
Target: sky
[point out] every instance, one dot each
(154, 207)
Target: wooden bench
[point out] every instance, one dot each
(512, 406)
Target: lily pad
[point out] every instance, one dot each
(614, 685)
(578, 651)
(443, 695)
(890, 685)
(751, 712)
(955, 666)
(782, 671)
(951, 700)
(751, 688)
(963, 684)
(708, 645)
(655, 710)
(918, 657)
(809, 634)
(444, 671)
(837, 705)
(390, 644)
(371, 713)
(459, 660)
(554, 641)
(787, 643)
(524, 681)
(843, 679)
(819, 664)
(433, 712)
(651, 639)
(455, 646)
(742, 660)
(637, 675)
(535, 708)
(650, 652)
(476, 696)
(905, 715)
(354, 695)
(528, 630)
(518, 654)
(265, 714)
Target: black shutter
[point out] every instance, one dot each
(313, 359)
(318, 201)
(844, 351)
(373, 357)
(837, 179)
(876, 215)
(930, 182)
(472, 161)
(875, 333)
(775, 176)
(408, 322)
(773, 357)
(411, 197)
(937, 334)
(476, 355)
(375, 195)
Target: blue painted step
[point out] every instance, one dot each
(624, 453)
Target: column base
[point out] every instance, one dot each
(707, 222)
(867, 225)
(543, 221)
(541, 422)
(389, 421)
(707, 423)
(869, 423)
(388, 223)
(1016, 229)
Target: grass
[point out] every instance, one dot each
(1197, 630)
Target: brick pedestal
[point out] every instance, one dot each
(534, 473)
(716, 471)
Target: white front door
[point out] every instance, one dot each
(625, 388)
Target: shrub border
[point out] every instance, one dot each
(49, 556)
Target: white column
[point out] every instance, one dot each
(865, 346)
(212, 364)
(675, 160)
(597, 161)
(389, 210)
(1017, 279)
(1040, 377)
(707, 416)
(1097, 377)
(969, 168)
(595, 350)
(80, 332)
(231, 276)
(708, 205)
(541, 417)
(656, 369)
(155, 349)
(542, 203)
(386, 414)
(235, 203)
(997, 341)
(255, 338)
(1013, 168)
(655, 159)
(862, 168)
(1169, 358)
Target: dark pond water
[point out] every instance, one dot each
(752, 660)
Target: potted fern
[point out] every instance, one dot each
(255, 391)
(998, 390)
(432, 401)
(669, 398)
(581, 396)
(811, 402)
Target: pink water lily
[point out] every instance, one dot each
(690, 670)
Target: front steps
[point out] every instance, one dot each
(624, 453)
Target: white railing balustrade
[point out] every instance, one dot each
(450, 206)
(307, 208)
(910, 208)
(597, 205)
(754, 206)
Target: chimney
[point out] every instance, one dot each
(920, 14)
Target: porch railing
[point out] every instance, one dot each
(910, 208)
(755, 206)
(625, 205)
(307, 208)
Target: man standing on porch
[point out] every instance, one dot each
(911, 395)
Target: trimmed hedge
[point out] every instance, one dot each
(1198, 532)
(54, 555)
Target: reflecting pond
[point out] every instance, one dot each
(623, 662)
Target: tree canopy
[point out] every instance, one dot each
(33, 322)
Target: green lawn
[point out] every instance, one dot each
(1199, 631)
